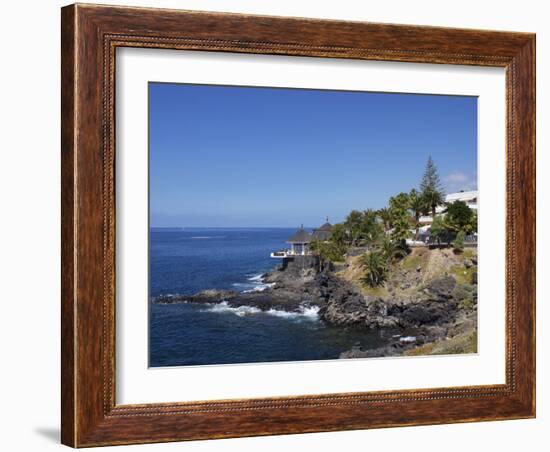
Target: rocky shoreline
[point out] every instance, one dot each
(431, 309)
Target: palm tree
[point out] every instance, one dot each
(353, 224)
(419, 206)
(374, 264)
(433, 198)
(385, 215)
(400, 216)
(370, 228)
(340, 235)
(393, 250)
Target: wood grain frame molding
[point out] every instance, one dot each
(90, 36)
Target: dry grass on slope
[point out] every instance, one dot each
(412, 272)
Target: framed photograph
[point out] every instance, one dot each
(282, 225)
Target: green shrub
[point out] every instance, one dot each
(459, 216)
(463, 293)
(458, 243)
(374, 265)
(328, 250)
(464, 275)
(394, 250)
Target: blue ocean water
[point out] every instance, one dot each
(186, 261)
(189, 260)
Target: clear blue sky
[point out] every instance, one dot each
(241, 156)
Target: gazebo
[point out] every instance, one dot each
(322, 233)
(299, 242)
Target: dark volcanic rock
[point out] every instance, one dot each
(295, 273)
(441, 288)
(425, 313)
(304, 282)
(271, 299)
(398, 345)
(206, 296)
(346, 305)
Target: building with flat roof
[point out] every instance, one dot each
(468, 197)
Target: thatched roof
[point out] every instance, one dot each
(322, 233)
(326, 227)
(318, 234)
(300, 236)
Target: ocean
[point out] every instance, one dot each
(186, 261)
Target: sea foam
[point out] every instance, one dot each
(305, 312)
(239, 310)
(256, 284)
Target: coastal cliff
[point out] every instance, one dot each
(429, 301)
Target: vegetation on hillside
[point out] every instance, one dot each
(383, 233)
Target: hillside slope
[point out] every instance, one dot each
(431, 290)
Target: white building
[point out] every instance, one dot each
(300, 241)
(299, 245)
(469, 197)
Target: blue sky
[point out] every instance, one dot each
(225, 156)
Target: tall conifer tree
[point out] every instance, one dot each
(431, 188)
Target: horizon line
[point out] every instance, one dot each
(229, 227)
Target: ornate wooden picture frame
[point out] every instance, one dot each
(90, 36)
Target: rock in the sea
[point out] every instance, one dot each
(206, 296)
(214, 295)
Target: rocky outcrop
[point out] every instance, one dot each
(340, 302)
(206, 296)
(441, 289)
(429, 309)
(296, 266)
(344, 304)
(280, 298)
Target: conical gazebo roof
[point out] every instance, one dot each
(323, 232)
(326, 227)
(300, 236)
